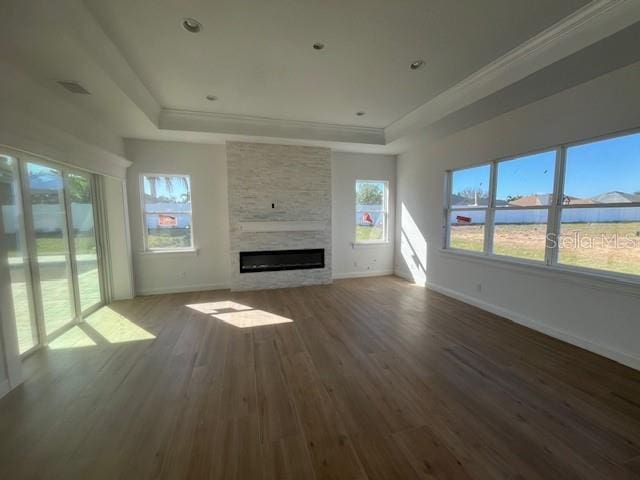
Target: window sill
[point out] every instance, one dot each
(190, 251)
(576, 275)
(370, 244)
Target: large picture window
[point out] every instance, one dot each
(166, 211)
(600, 209)
(577, 207)
(372, 211)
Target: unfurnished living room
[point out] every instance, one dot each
(319, 239)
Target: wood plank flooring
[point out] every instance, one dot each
(364, 379)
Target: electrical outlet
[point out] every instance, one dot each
(479, 287)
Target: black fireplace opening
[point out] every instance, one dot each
(274, 260)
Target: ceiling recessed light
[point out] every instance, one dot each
(417, 64)
(318, 46)
(191, 25)
(360, 114)
(211, 98)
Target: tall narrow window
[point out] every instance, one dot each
(524, 194)
(372, 211)
(600, 211)
(166, 206)
(467, 208)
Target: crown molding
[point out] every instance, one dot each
(224, 123)
(595, 21)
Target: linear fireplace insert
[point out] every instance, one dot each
(273, 260)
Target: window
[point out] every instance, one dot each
(576, 206)
(468, 202)
(372, 211)
(524, 194)
(166, 211)
(600, 210)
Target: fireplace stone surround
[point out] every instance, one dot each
(279, 199)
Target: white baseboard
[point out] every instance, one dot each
(4, 388)
(367, 273)
(624, 358)
(183, 289)
(118, 298)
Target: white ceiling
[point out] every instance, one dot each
(257, 56)
(148, 77)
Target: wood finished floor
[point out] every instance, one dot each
(374, 378)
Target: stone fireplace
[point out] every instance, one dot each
(279, 206)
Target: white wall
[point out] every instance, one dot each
(35, 121)
(596, 315)
(171, 272)
(350, 260)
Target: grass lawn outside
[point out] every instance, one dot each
(56, 246)
(366, 233)
(169, 238)
(588, 245)
(467, 237)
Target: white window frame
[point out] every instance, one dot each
(144, 214)
(385, 213)
(448, 209)
(555, 209)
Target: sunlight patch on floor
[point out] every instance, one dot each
(218, 307)
(115, 328)
(73, 338)
(239, 315)
(251, 318)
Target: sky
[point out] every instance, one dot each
(592, 169)
(605, 166)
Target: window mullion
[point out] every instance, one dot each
(553, 222)
(490, 212)
(447, 208)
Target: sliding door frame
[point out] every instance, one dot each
(91, 178)
(102, 240)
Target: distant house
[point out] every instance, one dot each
(544, 199)
(539, 199)
(616, 197)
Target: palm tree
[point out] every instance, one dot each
(170, 183)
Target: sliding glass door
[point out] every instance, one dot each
(20, 273)
(54, 253)
(50, 244)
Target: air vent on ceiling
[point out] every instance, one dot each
(74, 87)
